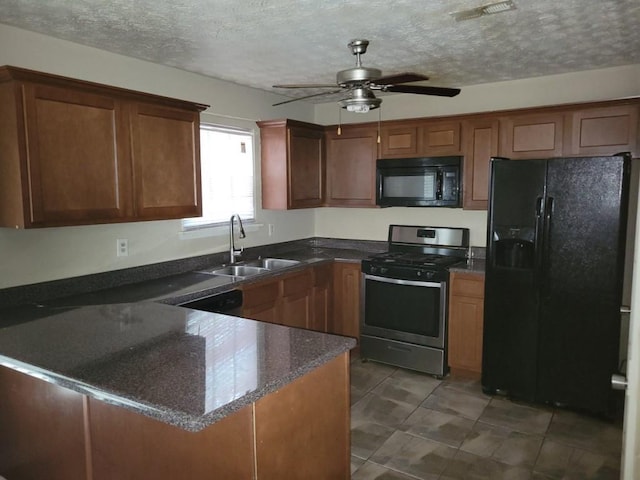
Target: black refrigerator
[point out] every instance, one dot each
(554, 277)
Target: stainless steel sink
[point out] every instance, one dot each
(251, 268)
(239, 271)
(273, 263)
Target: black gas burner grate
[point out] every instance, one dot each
(415, 259)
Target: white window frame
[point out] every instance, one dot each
(191, 227)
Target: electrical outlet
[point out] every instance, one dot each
(271, 229)
(122, 247)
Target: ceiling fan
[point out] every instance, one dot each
(361, 82)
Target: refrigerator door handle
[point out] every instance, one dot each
(538, 238)
(543, 224)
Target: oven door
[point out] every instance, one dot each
(404, 310)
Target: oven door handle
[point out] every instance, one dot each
(396, 281)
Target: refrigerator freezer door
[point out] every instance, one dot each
(581, 290)
(511, 302)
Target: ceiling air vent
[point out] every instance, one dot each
(484, 10)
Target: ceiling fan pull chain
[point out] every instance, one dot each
(339, 120)
(379, 120)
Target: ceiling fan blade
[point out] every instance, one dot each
(307, 85)
(422, 90)
(307, 96)
(400, 78)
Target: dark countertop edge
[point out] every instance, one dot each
(474, 265)
(183, 420)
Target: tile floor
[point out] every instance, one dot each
(406, 425)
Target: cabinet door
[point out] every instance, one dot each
(466, 314)
(399, 141)
(260, 301)
(346, 299)
(441, 138)
(166, 159)
(532, 136)
(351, 167)
(481, 143)
(306, 175)
(605, 131)
(322, 297)
(43, 432)
(296, 299)
(77, 157)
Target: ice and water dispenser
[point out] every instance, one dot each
(514, 246)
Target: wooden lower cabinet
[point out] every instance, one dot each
(297, 291)
(54, 433)
(261, 301)
(346, 306)
(35, 444)
(322, 297)
(325, 298)
(285, 300)
(312, 413)
(466, 320)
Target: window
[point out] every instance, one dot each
(226, 159)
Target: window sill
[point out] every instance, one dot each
(217, 231)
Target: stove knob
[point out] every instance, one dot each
(373, 269)
(383, 270)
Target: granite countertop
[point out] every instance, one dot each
(185, 287)
(472, 265)
(183, 367)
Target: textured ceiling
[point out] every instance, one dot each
(264, 42)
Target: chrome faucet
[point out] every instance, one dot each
(233, 252)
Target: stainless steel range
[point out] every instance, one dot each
(403, 316)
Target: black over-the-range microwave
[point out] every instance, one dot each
(419, 182)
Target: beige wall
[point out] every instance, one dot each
(606, 84)
(47, 254)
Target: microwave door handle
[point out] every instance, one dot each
(439, 185)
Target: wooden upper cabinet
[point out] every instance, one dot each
(440, 138)
(421, 139)
(399, 140)
(166, 159)
(77, 156)
(351, 166)
(481, 143)
(604, 131)
(293, 165)
(77, 153)
(537, 135)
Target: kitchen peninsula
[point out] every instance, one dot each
(146, 390)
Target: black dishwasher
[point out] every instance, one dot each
(227, 302)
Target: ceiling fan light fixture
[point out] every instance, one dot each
(361, 101)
